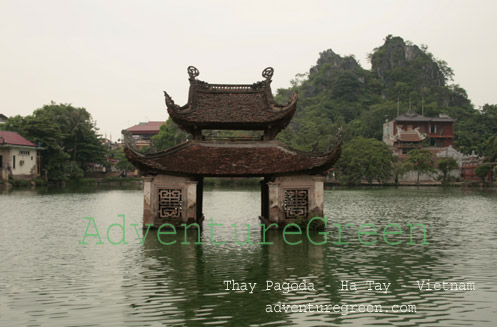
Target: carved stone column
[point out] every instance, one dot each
(295, 199)
(169, 199)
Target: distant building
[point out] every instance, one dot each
(449, 152)
(18, 157)
(411, 130)
(143, 132)
(468, 166)
(3, 118)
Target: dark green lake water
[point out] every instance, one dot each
(48, 279)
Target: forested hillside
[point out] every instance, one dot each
(338, 92)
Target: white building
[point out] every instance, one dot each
(18, 157)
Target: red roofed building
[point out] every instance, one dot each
(143, 132)
(18, 157)
(408, 131)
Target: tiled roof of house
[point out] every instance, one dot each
(410, 136)
(411, 116)
(151, 127)
(7, 137)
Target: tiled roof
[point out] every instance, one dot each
(412, 116)
(262, 158)
(7, 137)
(231, 106)
(410, 136)
(151, 127)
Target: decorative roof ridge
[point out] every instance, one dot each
(197, 85)
(231, 106)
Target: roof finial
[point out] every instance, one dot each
(268, 73)
(193, 72)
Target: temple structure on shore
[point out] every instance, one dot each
(291, 180)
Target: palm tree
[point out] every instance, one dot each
(76, 121)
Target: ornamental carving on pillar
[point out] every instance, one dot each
(296, 203)
(170, 203)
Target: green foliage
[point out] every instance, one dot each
(364, 158)
(338, 92)
(491, 149)
(169, 135)
(67, 134)
(122, 162)
(422, 161)
(74, 171)
(19, 182)
(445, 165)
(400, 168)
(473, 131)
(482, 171)
(40, 182)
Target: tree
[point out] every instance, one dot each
(58, 128)
(482, 171)
(445, 165)
(422, 161)
(364, 158)
(123, 163)
(491, 149)
(76, 121)
(169, 135)
(400, 168)
(81, 139)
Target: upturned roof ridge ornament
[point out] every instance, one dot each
(192, 72)
(169, 100)
(267, 73)
(129, 141)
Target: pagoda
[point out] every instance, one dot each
(292, 187)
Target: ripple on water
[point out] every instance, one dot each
(47, 278)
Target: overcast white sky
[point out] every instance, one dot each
(115, 57)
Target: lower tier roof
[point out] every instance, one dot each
(233, 159)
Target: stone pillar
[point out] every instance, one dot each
(317, 204)
(295, 199)
(148, 215)
(275, 205)
(169, 199)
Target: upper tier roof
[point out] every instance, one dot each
(230, 106)
(232, 159)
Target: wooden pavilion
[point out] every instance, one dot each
(293, 181)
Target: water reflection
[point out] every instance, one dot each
(47, 278)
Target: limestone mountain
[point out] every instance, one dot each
(337, 91)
